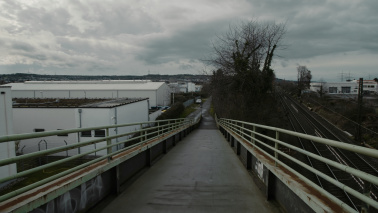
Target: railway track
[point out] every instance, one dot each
(297, 121)
(326, 130)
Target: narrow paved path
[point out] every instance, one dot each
(200, 174)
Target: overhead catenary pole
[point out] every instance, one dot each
(359, 117)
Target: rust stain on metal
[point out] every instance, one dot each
(12, 202)
(129, 151)
(126, 152)
(66, 179)
(307, 188)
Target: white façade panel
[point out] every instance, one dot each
(23, 94)
(150, 94)
(131, 113)
(163, 95)
(93, 94)
(54, 94)
(7, 150)
(28, 120)
(93, 117)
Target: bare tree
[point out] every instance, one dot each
(242, 58)
(246, 51)
(304, 79)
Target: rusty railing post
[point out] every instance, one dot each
(276, 148)
(108, 143)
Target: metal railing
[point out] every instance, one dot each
(147, 132)
(247, 132)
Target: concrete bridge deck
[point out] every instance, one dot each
(200, 174)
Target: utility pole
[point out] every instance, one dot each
(359, 118)
(173, 96)
(342, 75)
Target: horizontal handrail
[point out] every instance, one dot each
(67, 131)
(147, 132)
(69, 147)
(247, 132)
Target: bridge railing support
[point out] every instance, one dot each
(276, 148)
(256, 142)
(149, 134)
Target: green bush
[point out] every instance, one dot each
(182, 97)
(173, 112)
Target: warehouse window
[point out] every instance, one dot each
(86, 134)
(100, 133)
(332, 89)
(345, 89)
(39, 130)
(62, 134)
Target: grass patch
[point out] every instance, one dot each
(211, 111)
(189, 110)
(41, 174)
(33, 178)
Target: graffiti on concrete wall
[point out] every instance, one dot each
(259, 168)
(76, 199)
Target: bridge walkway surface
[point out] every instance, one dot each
(200, 174)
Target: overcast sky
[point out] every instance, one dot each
(137, 37)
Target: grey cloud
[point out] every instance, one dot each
(38, 57)
(46, 57)
(176, 13)
(10, 7)
(78, 46)
(91, 49)
(319, 39)
(192, 43)
(186, 67)
(104, 18)
(19, 68)
(84, 35)
(19, 45)
(284, 64)
(119, 18)
(55, 21)
(324, 27)
(286, 9)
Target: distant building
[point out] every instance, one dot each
(351, 87)
(184, 87)
(198, 88)
(158, 93)
(177, 87)
(41, 115)
(370, 85)
(8, 149)
(191, 87)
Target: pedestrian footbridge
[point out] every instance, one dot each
(182, 165)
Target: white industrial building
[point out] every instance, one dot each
(7, 149)
(198, 88)
(370, 85)
(158, 93)
(50, 115)
(184, 87)
(344, 87)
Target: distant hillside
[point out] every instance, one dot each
(21, 77)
